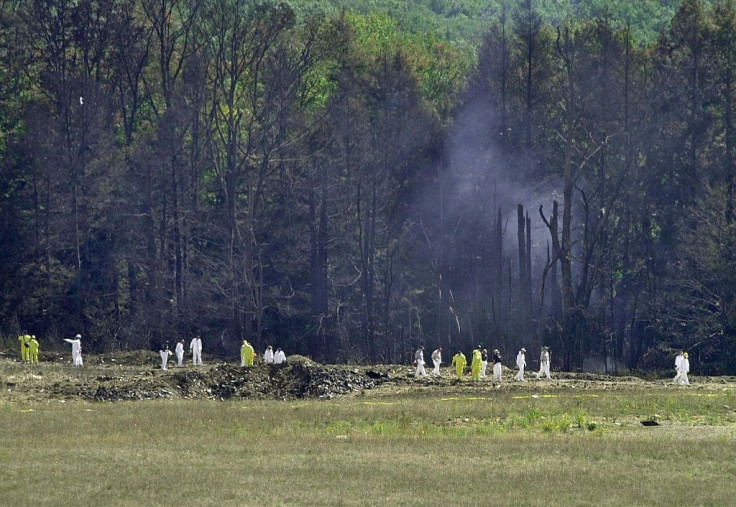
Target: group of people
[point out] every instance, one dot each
(271, 357)
(247, 354)
(28, 348)
(479, 363)
(195, 346)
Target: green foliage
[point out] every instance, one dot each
(463, 21)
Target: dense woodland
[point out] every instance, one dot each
(341, 185)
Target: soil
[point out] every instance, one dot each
(137, 375)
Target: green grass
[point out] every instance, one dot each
(404, 449)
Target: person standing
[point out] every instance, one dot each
(279, 357)
(483, 362)
(247, 353)
(544, 359)
(684, 370)
(24, 340)
(179, 354)
(419, 362)
(476, 363)
(76, 351)
(437, 361)
(165, 353)
(459, 362)
(33, 347)
(196, 347)
(521, 364)
(678, 363)
(497, 369)
(268, 355)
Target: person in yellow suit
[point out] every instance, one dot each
(476, 364)
(23, 347)
(33, 350)
(247, 353)
(459, 361)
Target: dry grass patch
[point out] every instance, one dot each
(406, 449)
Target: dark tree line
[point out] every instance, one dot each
(172, 167)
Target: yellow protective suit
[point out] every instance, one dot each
(25, 343)
(247, 353)
(33, 350)
(476, 364)
(22, 341)
(459, 361)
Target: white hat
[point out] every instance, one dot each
(78, 336)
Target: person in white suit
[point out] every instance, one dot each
(76, 350)
(164, 353)
(544, 359)
(179, 354)
(279, 357)
(521, 364)
(419, 362)
(268, 355)
(678, 363)
(684, 370)
(437, 361)
(196, 347)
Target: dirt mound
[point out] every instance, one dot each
(296, 379)
(137, 376)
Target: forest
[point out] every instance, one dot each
(349, 183)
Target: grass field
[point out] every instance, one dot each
(401, 447)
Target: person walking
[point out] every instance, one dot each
(179, 354)
(419, 362)
(476, 363)
(684, 370)
(497, 369)
(196, 347)
(76, 351)
(279, 356)
(437, 361)
(544, 359)
(483, 362)
(521, 364)
(459, 362)
(165, 353)
(678, 363)
(33, 347)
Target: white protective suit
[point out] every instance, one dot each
(76, 350)
(419, 362)
(544, 364)
(437, 361)
(196, 347)
(497, 368)
(678, 363)
(521, 364)
(268, 355)
(684, 370)
(179, 354)
(165, 353)
(279, 357)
